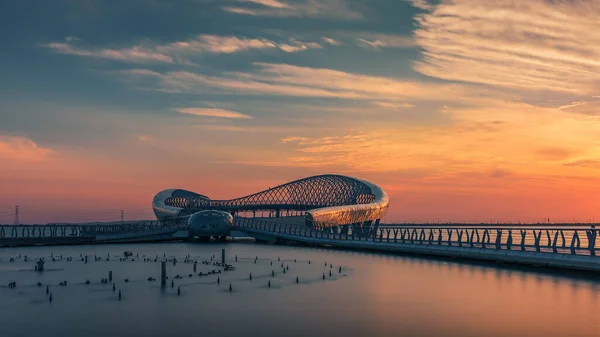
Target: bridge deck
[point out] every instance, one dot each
(570, 248)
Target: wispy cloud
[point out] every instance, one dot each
(268, 3)
(213, 112)
(21, 149)
(422, 4)
(294, 139)
(249, 128)
(179, 51)
(296, 81)
(589, 108)
(593, 163)
(331, 41)
(379, 41)
(534, 44)
(338, 9)
(556, 142)
(393, 105)
(134, 54)
(296, 46)
(572, 105)
(239, 10)
(143, 139)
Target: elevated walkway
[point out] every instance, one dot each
(571, 248)
(89, 233)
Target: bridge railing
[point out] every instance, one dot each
(556, 240)
(12, 232)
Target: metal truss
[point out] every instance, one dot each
(323, 200)
(303, 194)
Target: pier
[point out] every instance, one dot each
(95, 233)
(569, 246)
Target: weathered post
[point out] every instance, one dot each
(110, 276)
(223, 256)
(163, 273)
(195, 266)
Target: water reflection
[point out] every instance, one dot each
(378, 295)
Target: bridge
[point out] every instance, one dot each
(568, 246)
(90, 233)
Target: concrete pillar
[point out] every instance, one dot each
(163, 273)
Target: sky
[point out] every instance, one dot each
(462, 110)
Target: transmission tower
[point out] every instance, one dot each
(17, 222)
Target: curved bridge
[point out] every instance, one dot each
(568, 246)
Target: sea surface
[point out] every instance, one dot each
(371, 295)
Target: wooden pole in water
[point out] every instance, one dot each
(223, 256)
(163, 273)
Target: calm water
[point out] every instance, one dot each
(374, 295)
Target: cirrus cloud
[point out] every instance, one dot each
(533, 45)
(337, 9)
(213, 112)
(298, 81)
(179, 51)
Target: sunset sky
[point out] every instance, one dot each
(462, 110)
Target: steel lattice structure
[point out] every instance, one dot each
(324, 200)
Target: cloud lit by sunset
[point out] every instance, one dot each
(463, 110)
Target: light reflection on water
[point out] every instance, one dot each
(376, 295)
